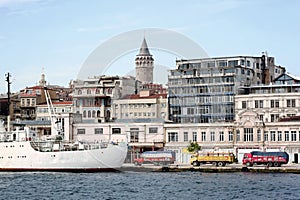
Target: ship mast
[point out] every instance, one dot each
(56, 129)
(8, 100)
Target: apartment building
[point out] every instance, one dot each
(93, 97)
(32, 96)
(267, 116)
(203, 90)
(149, 103)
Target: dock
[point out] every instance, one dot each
(291, 168)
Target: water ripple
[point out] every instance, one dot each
(127, 185)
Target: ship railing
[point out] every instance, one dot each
(49, 146)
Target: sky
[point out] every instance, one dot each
(56, 37)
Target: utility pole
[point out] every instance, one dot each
(8, 100)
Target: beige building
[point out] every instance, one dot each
(60, 107)
(267, 116)
(148, 104)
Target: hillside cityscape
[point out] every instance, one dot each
(232, 104)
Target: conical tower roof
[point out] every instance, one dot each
(144, 51)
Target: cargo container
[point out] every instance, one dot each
(156, 157)
(270, 159)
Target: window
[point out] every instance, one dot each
(279, 136)
(274, 117)
(244, 104)
(259, 103)
(32, 102)
(248, 134)
(172, 137)
(221, 136)
(153, 130)
(203, 136)
(266, 136)
(230, 135)
(98, 130)
(258, 135)
(194, 136)
(212, 136)
(291, 103)
(47, 132)
(238, 135)
(248, 63)
(286, 136)
(80, 131)
(256, 104)
(248, 72)
(116, 130)
(233, 63)
(222, 63)
(275, 103)
(273, 135)
(185, 136)
(242, 62)
(293, 136)
(134, 134)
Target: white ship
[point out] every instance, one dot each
(20, 151)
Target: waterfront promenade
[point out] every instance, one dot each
(290, 168)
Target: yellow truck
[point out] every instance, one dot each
(216, 159)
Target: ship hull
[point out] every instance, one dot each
(20, 156)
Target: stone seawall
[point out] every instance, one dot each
(293, 168)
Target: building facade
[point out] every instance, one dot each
(93, 96)
(141, 135)
(151, 102)
(30, 97)
(203, 90)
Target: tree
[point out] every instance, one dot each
(194, 147)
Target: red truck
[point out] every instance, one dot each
(156, 157)
(270, 159)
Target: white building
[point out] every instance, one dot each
(141, 135)
(150, 103)
(93, 96)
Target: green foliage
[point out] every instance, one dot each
(194, 147)
(58, 138)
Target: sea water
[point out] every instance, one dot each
(148, 185)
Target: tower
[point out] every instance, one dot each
(144, 64)
(42, 82)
